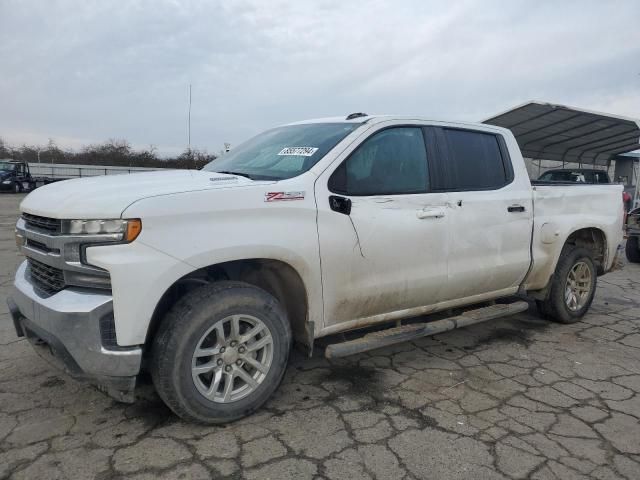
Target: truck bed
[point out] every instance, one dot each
(561, 209)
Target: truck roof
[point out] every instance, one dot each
(365, 118)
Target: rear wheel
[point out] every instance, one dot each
(573, 287)
(632, 250)
(221, 352)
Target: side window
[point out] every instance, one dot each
(475, 161)
(392, 161)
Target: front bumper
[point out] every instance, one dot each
(64, 328)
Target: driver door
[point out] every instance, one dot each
(382, 233)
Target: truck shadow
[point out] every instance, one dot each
(356, 374)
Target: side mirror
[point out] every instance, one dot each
(340, 204)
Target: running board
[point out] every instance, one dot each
(412, 331)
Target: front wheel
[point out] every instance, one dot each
(573, 286)
(220, 352)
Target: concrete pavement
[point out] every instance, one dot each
(515, 398)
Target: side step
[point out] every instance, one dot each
(405, 333)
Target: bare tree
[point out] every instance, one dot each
(113, 152)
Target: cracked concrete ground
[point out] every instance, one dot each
(516, 398)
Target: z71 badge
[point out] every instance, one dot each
(283, 196)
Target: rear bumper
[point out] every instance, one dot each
(64, 328)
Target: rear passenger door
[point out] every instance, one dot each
(490, 213)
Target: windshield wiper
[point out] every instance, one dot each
(251, 176)
(240, 174)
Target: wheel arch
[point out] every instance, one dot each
(276, 277)
(593, 239)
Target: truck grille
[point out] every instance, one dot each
(52, 225)
(40, 246)
(49, 279)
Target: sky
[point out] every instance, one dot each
(82, 72)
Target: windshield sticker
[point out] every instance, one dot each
(223, 179)
(283, 196)
(298, 151)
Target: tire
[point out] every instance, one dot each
(570, 308)
(198, 318)
(632, 250)
(17, 188)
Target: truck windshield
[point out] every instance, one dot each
(6, 167)
(282, 152)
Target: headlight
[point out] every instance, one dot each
(6, 182)
(126, 230)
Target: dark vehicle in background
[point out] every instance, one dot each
(15, 177)
(588, 176)
(632, 229)
(575, 175)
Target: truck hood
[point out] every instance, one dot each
(108, 196)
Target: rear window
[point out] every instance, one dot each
(474, 161)
(575, 176)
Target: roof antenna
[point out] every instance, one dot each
(351, 116)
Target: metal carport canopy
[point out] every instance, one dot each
(545, 131)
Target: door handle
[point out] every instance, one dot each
(430, 213)
(515, 208)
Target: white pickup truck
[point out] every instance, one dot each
(206, 278)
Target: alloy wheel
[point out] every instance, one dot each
(232, 358)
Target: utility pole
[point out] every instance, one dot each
(189, 122)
